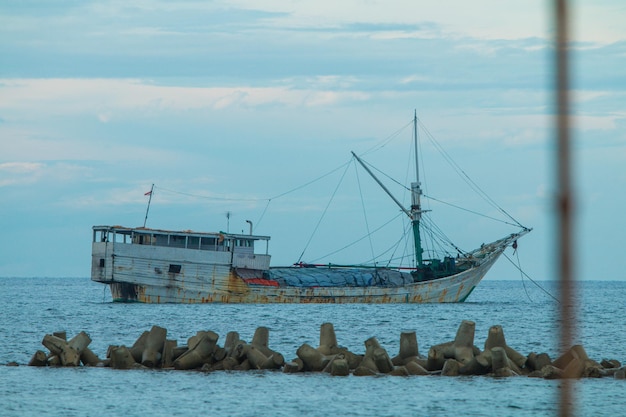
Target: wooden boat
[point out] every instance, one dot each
(165, 266)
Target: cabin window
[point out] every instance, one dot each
(143, 239)
(174, 269)
(244, 243)
(101, 262)
(161, 240)
(177, 241)
(208, 243)
(193, 242)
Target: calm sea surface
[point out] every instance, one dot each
(33, 307)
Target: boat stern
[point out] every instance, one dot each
(101, 262)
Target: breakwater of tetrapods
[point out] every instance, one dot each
(461, 356)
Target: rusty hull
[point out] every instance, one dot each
(229, 288)
(153, 274)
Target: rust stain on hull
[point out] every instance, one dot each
(225, 285)
(233, 289)
(239, 292)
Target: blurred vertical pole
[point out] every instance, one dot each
(564, 196)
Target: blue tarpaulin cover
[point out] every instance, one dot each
(338, 277)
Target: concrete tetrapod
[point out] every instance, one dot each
(408, 356)
(39, 359)
(55, 345)
(312, 359)
(536, 361)
(260, 341)
(408, 349)
(67, 352)
(167, 360)
(322, 358)
(340, 367)
(329, 346)
(461, 349)
(328, 339)
(376, 360)
(231, 341)
(451, 367)
(575, 364)
(136, 350)
(203, 346)
(121, 358)
(153, 347)
(88, 358)
(500, 362)
(495, 338)
(457, 357)
(367, 365)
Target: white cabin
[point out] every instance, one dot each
(122, 250)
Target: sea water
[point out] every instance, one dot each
(33, 307)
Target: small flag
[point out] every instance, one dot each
(148, 193)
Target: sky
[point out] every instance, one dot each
(252, 108)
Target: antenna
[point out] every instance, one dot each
(228, 222)
(149, 193)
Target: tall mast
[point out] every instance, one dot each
(416, 192)
(415, 213)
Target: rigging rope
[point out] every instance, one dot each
(315, 180)
(433, 231)
(367, 226)
(464, 175)
(269, 200)
(324, 213)
(531, 280)
(473, 212)
(522, 275)
(391, 248)
(264, 211)
(209, 197)
(359, 239)
(222, 198)
(388, 139)
(397, 245)
(461, 173)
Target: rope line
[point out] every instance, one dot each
(323, 213)
(387, 140)
(435, 240)
(220, 198)
(314, 180)
(358, 240)
(367, 225)
(530, 279)
(471, 211)
(464, 175)
(522, 275)
(264, 211)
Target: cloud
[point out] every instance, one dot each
(20, 167)
(23, 173)
(105, 97)
(17, 173)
